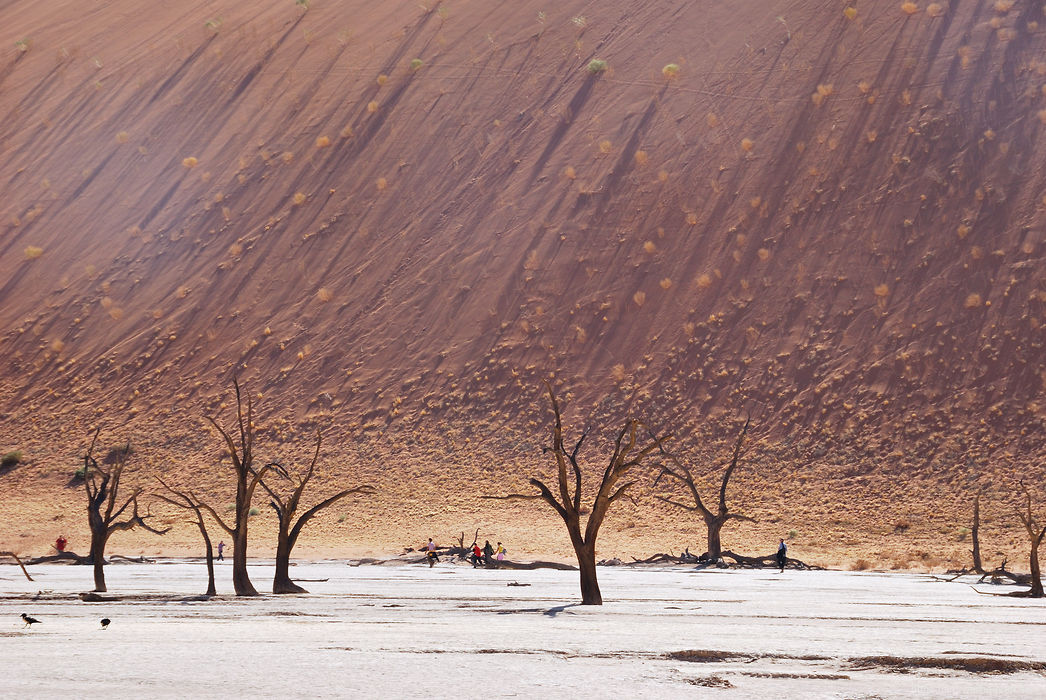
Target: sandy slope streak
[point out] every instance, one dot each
(867, 278)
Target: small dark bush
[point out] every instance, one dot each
(11, 459)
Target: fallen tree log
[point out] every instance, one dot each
(768, 562)
(62, 557)
(529, 565)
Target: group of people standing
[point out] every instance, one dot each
(488, 556)
(480, 556)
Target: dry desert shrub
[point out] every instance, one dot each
(324, 295)
(190, 162)
(934, 9)
(596, 66)
(747, 145)
(33, 252)
(860, 565)
(299, 198)
(850, 12)
(973, 301)
(641, 156)
(639, 298)
(909, 8)
(650, 247)
(666, 283)
(323, 142)
(670, 71)
(569, 172)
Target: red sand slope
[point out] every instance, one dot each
(834, 224)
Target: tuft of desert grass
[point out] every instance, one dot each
(850, 12)
(323, 141)
(670, 70)
(639, 298)
(747, 145)
(190, 162)
(642, 158)
(299, 198)
(973, 301)
(934, 9)
(909, 8)
(33, 252)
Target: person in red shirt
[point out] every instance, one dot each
(477, 555)
(60, 543)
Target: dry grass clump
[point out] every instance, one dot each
(650, 247)
(882, 290)
(639, 298)
(666, 283)
(670, 71)
(1003, 6)
(712, 120)
(190, 162)
(122, 137)
(973, 301)
(704, 281)
(569, 172)
(909, 8)
(934, 9)
(416, 64)
(372, 106)
(324, 295)
(382, 184)
(323, 142)
(33, 252)
(860, 565)
(299, 198)
(747, 145)
(850, 12)
(642, 158)
(963, 231)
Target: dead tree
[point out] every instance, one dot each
(286, 508)
(626, 456)
(189, 501)
(975, 535)
(102, 485)
(247, 480)
(714, 520)
(1035, 535)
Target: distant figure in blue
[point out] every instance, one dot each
(782, 555)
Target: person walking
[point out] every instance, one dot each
(782, 555)
(430, 552)
(477, 555)
(221, 548)
(488, 553)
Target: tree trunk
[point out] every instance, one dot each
(98, 558)
(281, 582)
(586, 561)
(241, 582)
(715, 546)
(975, 535)
(211, 590)
(1036, 580)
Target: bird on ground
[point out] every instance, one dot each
(29, 621)
(105, 622)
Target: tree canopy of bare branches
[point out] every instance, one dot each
(247, 480)
(289, 530)
(714, 519)
(102, 485)
(628, 454)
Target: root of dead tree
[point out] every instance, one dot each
(20, 564)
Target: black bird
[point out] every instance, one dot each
(105, 622)
(29, 621)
